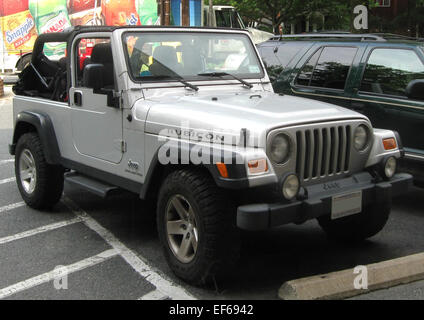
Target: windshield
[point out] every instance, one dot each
(153, 56)
(228, 18)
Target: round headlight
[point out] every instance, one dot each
(280, 148)
(390, 167)
(360, 139)
(291, 187)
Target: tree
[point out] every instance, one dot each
(293, 11)
(324, 14)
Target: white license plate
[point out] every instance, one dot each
(346, 204)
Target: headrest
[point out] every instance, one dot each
(63, 62)
(102, 53)
(165, 55)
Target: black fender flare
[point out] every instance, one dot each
(237, 173)
(45, 130)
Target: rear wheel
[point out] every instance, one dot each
(196, 226)
(357, 227)
(40, 184)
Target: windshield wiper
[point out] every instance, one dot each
(223, 74)
(180, 79)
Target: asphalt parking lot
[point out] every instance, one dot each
(111, 250)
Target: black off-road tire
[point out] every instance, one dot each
(218, 237)
(49, 178)
(357, 228)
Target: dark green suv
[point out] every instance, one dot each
(379, 75)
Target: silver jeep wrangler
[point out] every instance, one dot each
(187, 117)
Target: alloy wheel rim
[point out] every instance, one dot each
(181, 229)
(27, 171)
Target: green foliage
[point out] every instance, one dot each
(325, 14)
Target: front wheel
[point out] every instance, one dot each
(40, 184)
(196, 226)
(359, 227)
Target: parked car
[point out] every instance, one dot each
(187, 117)
(378, 75)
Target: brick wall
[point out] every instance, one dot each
(396, 7)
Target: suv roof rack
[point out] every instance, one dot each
(344, 35)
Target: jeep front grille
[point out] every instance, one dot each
(323, 152)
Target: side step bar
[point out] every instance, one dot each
(96, 187)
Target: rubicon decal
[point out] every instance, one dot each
(195, 135)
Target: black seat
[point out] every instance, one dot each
(192, 59)
(165, 62)
(102, 54)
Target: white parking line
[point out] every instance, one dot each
(51, 275)
(154, 295)
(164, 286)
(6, 161)
(7, 180)
(42, 229)
(11, 206)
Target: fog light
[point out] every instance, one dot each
(291, 186)
(390, 167)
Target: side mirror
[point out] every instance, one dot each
(415, 89)
(93, 76)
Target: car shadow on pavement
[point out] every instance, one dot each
(268, 258)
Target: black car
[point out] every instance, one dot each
(379, 75)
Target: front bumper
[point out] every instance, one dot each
(255, 217)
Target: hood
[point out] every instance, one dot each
(259, 36)
(258, 112)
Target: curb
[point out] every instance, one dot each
(340, 284)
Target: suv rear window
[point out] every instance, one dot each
(389, 71)
(327, 68)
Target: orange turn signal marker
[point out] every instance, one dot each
(257, 166)
(222, 168)
(389, 144)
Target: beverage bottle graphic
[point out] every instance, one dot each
(18, 26)
(85, 12)
(81, 5)
(147, 11)
(10, 7)
(50, 15)
(120, 12)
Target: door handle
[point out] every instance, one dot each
(78, 99)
